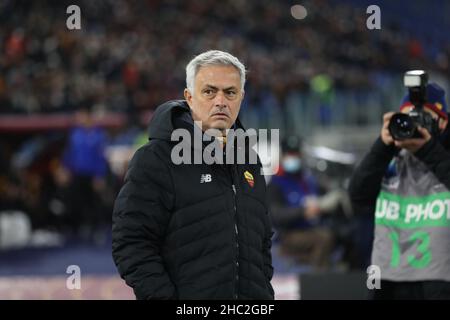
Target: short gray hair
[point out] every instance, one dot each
(212, 58)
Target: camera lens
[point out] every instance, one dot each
(402, 126)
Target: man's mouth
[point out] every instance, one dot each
(220, 114)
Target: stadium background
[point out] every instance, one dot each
(314, 71)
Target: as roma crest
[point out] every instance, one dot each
(249, 177)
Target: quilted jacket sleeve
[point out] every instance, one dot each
(437, 159)
(141, 214)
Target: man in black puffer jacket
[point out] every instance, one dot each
(195, 231)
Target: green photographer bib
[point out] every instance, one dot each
(412, 223)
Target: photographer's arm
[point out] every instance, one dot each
(437, 159)
(365, 183)
(140, 216)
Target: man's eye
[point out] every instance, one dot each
(208, 92)
(231, 93)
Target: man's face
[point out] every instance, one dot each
(442, 123)
(217, 97)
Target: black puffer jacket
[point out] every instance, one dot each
(191, 231)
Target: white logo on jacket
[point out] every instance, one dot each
(205, 178)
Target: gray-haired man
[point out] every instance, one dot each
(195, 231)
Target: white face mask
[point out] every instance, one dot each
(292, 164)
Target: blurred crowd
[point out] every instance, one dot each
(130, 55)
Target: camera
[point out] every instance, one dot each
(404, 126)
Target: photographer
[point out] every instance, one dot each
(405, 181)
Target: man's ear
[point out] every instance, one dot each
(188, 97)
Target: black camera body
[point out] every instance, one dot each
(404, 126)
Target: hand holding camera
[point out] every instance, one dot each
(385, 134)
(413, 127)
(412, 144)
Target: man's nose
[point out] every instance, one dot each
(219, 99)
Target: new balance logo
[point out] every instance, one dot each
(205, 178)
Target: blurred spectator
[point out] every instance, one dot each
(296, 213)
(322, 90)
(84, 158)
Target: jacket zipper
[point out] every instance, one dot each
(232, 170)
(236, 235)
